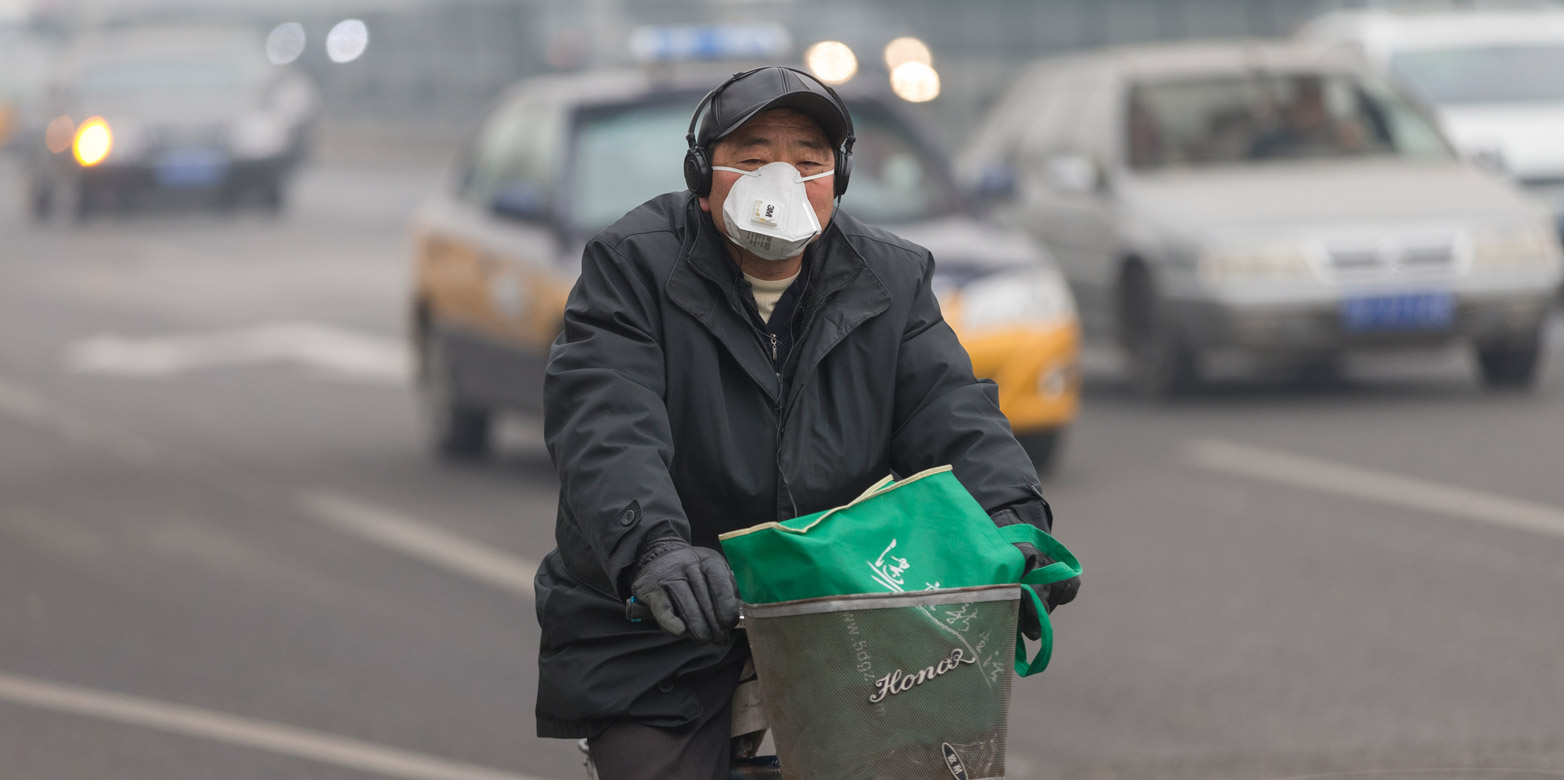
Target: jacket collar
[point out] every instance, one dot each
(843, 294)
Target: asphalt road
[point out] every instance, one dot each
(225, 553)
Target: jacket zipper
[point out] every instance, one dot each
(764, 339)
(808, 325)
(771, 339)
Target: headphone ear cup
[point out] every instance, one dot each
(697, 171)
(844, 170)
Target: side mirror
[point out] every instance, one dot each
(1073, 173)
(520, 201)
(996, 184)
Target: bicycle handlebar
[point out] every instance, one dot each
(636, 611)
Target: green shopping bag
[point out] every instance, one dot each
(924, 532)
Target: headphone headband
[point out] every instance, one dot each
(697, 162)
(689, 137)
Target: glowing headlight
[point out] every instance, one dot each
(258, 136)
(93, 142)
(1034, 295)
(1515, 245)
(1257, 262)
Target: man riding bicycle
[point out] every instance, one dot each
(738, 353)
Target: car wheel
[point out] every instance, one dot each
(1511, 365)
(78, 200)
(457, 430)
(40, 202)
(1161, 361)
(1043, 448)
(272, 199)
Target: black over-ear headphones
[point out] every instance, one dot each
(697, 159)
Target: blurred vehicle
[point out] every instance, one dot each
(24, 61)
(498, 245)
(1492, 75)
(144, 111)
(1262, 199)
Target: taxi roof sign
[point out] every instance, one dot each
(710, 42)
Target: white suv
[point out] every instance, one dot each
(1491, 74)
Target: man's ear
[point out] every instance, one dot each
(705, 204)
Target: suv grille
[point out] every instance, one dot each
(1412, 257)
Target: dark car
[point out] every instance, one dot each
(143, 112)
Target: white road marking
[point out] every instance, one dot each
(367, 521)
(431, 544)
(337, 351)
(245, 732)
(1406, 492)
(26, 406)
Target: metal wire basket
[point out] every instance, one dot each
(910, 686)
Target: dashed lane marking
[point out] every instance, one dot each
(354, 516)
(28, 407)
(418, 539)
(1406, 492)
(329, 349)
(245, 732)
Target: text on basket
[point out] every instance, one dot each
(900, 682)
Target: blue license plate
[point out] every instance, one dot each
(191, 169)
(1415, 311)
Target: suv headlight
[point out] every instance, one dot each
(1033, 295)
(1222, 263)
(1509, 246)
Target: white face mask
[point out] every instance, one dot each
(768, 211)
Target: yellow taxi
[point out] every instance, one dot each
(497, 247)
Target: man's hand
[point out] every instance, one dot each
(1037, 514)
(690, 590)
(1055, 595)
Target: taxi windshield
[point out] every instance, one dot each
(628, 154)
(625, 155)
(895, 179)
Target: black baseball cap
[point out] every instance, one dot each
(750, 93)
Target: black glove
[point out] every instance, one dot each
(690, 590)
(1036, 513)
(1053, 595)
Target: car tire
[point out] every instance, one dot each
(1043, 448)
(78, 200)
(273, 200)
(1511, 365)
(40, 202)
(457, 430)
(1162, 364)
